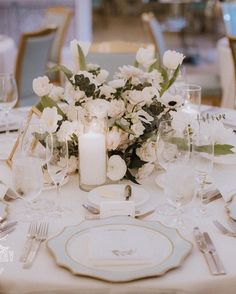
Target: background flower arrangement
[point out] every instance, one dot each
(134, 102)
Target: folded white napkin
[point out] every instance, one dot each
(119, 246)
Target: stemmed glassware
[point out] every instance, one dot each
(57, 164)
(8, 99)
(173, 152)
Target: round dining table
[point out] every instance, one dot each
(47, 277)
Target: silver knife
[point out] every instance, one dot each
(203, 248)
(7, 227)
(214, 254)
(5, 233)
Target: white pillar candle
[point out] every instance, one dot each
(92, 158)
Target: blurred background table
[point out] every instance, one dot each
(7, 50)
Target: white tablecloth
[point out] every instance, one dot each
(226, 68)
(45, 277)
(7, 54)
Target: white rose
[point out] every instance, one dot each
(172, 59)
(42, 86)
(138, 129)
(145, 171)
(56, 93)
(147, 152)
(98, 107)
(102, 76)
(113, 138)
(119, 83)
(66, 130)
(50, 117)
(149, 93)
(75, 52)
(106, 91)
(145, 57)
(117, 108)
(116, 169)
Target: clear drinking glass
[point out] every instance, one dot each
(202, 157)
(192, 97)
(173, 151)
(57, 164)
(27, 180)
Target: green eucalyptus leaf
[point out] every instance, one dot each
(68, 73)
(82, 64)
(136, 64)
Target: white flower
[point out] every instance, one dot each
(113, 138)
(106, 91)
(145, 56)
(117, 108)
(147, 152)
(75, 52)
(129, 71)
(116, 169)
(149, 93)
(56, 93)
(136, 97)
(50, 117)
(155, 78)
(72, 95)
(42, 86)
(145, 171)
(72, 163)
(92, 66)
(138, 129)
(119, 83)
(98, 107)
(172, 59)
(144, 116)
(171, 101)
(71, 111)
(102, 76)
(66, 130)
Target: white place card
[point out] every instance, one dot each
(113, 208)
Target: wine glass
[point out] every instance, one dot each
(202, 157)
(8, 99)
(173, 150)
(27, 180)
(57, 164)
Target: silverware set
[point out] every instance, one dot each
(206, 246)
(37, 234)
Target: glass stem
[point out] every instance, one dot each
(58, 200)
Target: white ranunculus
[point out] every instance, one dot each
(66, 130)
(138, 129)
(119, 83)
(75, 52)
(172, 59)
(145, 171)
(136, 97)
(117, 108)
(56, 93)
(147, 152)
(107, 91)
(42, 86)
(50, 118)
(102, 76)
(98, 107)
(113, 138)
(145, 56)
(149, 93)
(72, 163)
(116, 169)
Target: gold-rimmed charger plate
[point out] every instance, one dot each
(70, 249)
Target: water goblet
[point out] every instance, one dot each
(57, 165)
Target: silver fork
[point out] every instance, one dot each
(32, 231)
(41, 236)
(223, 229)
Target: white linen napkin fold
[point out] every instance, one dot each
(114, 247)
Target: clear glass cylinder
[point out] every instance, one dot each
(92, 153)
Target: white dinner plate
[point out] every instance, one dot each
(116, 193)
(71, 247)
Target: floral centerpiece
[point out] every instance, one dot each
(134, 101)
